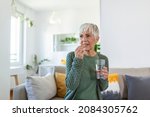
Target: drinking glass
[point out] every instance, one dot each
(100, 64)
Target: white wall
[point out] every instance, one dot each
(40, 36)
(4, 48)
(29, 43)
(71, 19)
(30, 39)
(125, 31)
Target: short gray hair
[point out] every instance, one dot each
(89, 27)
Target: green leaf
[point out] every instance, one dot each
(29, 67)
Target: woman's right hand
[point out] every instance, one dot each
(79, 52)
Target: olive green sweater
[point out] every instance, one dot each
(81, 78)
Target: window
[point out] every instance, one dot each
(16, 41)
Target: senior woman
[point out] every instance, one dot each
(81, 78)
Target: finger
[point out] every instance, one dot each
(85, 52)
(105, 69)
(79, 52)
(78, 48)
(106, 76)
(105, 73)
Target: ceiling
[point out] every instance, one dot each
(58, 4)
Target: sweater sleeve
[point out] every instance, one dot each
(103, 84)
(73, 71)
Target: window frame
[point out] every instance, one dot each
(19, 62)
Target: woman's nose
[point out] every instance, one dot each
(84, 39)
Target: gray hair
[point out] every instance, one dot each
(89, 27)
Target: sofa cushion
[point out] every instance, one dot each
(40, 88)
(19, 92)
(138, 87)
(60, 83)
(123, 87)
(113, 90)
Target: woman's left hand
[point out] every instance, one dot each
(104, 72)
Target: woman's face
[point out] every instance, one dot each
(88, 39)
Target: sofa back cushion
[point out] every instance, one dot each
(60, 69)
(131, 71)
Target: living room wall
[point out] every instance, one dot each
(125, 31)
(71, 19)
(30, 40)
(4, 49)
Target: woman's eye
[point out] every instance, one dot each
(87, 35)
(81, 36)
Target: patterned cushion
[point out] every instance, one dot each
(113, 90)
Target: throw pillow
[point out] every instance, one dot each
(138, 87)
(113, 90)
(61, 85)
(40, 88)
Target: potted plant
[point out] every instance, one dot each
(35, 65)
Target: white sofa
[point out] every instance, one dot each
(20, 92)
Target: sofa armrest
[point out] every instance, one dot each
(19, 92)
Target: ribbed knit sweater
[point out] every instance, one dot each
(81, 78)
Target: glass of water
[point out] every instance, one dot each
(100, 64)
